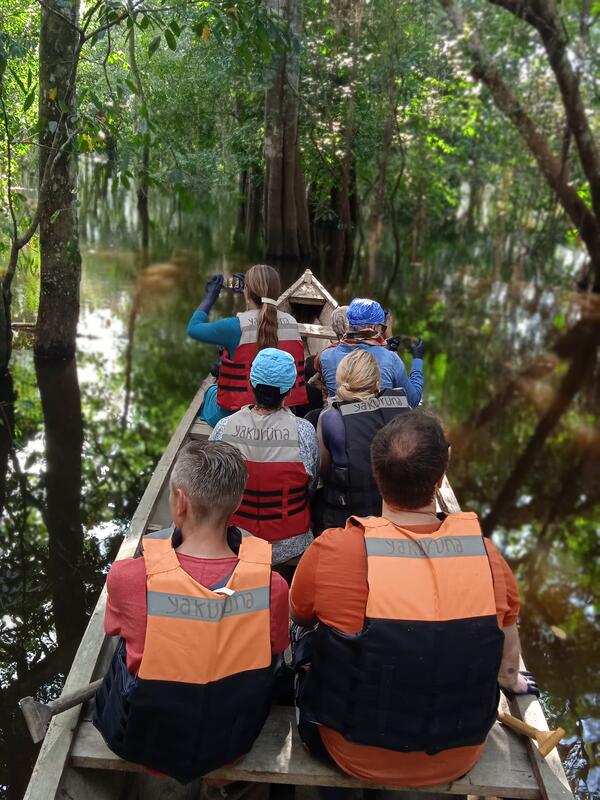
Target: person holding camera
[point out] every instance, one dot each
(243, 336)
(367, 322)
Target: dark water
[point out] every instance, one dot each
(511, 368)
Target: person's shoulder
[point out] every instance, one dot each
(279, 586)
(497, 560)
(331, 421)
(335, 538)
(305, 428)
(218, 430)
(330, 352)
(385, 355)
(329, 415)
(125, 571)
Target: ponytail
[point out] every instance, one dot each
(267, 327)
(263, 281)
(357, 376)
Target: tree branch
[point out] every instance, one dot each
(550, 166)
(543, 16)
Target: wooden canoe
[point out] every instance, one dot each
(75, 763)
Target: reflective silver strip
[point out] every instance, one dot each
(374, 404)
(263, 439)
(181, 606)
(287, 327)
(426, 547)
(250, 442)
(166, 533)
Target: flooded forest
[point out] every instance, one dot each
(441, 156)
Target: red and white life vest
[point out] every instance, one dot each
(275, 501)
(233, 386)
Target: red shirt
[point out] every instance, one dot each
(331, 584)
(125, 613)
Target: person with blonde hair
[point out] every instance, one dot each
(241, 337)
(345, 432)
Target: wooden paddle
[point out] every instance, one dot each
(38, 715)
(546, 740)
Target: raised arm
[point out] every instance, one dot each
(222, 332)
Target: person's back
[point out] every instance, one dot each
(345, 433)
(412, 609)
(189, 687)
(365, 317)
(281, 454)
(239, 339)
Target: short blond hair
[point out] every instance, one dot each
(357, 376)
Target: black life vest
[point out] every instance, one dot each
(421, 676)
(352, 489)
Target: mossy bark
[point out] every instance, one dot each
(58, 311)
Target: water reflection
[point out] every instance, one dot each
(501, 359)
(63, 431)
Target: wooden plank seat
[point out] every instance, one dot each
(200, 430)
(278, 756)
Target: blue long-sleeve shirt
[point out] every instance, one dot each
(391, 366)
(224, 332)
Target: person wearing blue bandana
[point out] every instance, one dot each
(282, 456)
(366, 318)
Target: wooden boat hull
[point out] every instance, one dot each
(74, 761)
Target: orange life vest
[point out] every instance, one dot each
(202, 692)
(275, 501)
(422, 674)
(233, 385)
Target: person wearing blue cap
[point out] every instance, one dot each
(366, 319)
(282, 455)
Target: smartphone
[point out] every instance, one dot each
(235, 282)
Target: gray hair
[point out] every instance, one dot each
(213, 475)
(339, 321)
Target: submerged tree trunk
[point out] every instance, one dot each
(582, 366)
(63, 427)
(58, 311)
(7, 430)
(287, 233)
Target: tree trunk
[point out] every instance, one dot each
(63, 427)
(375, 223)
(143, 172)
(58, 311)
(287, 233)
(249, 211)
(543, 15)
